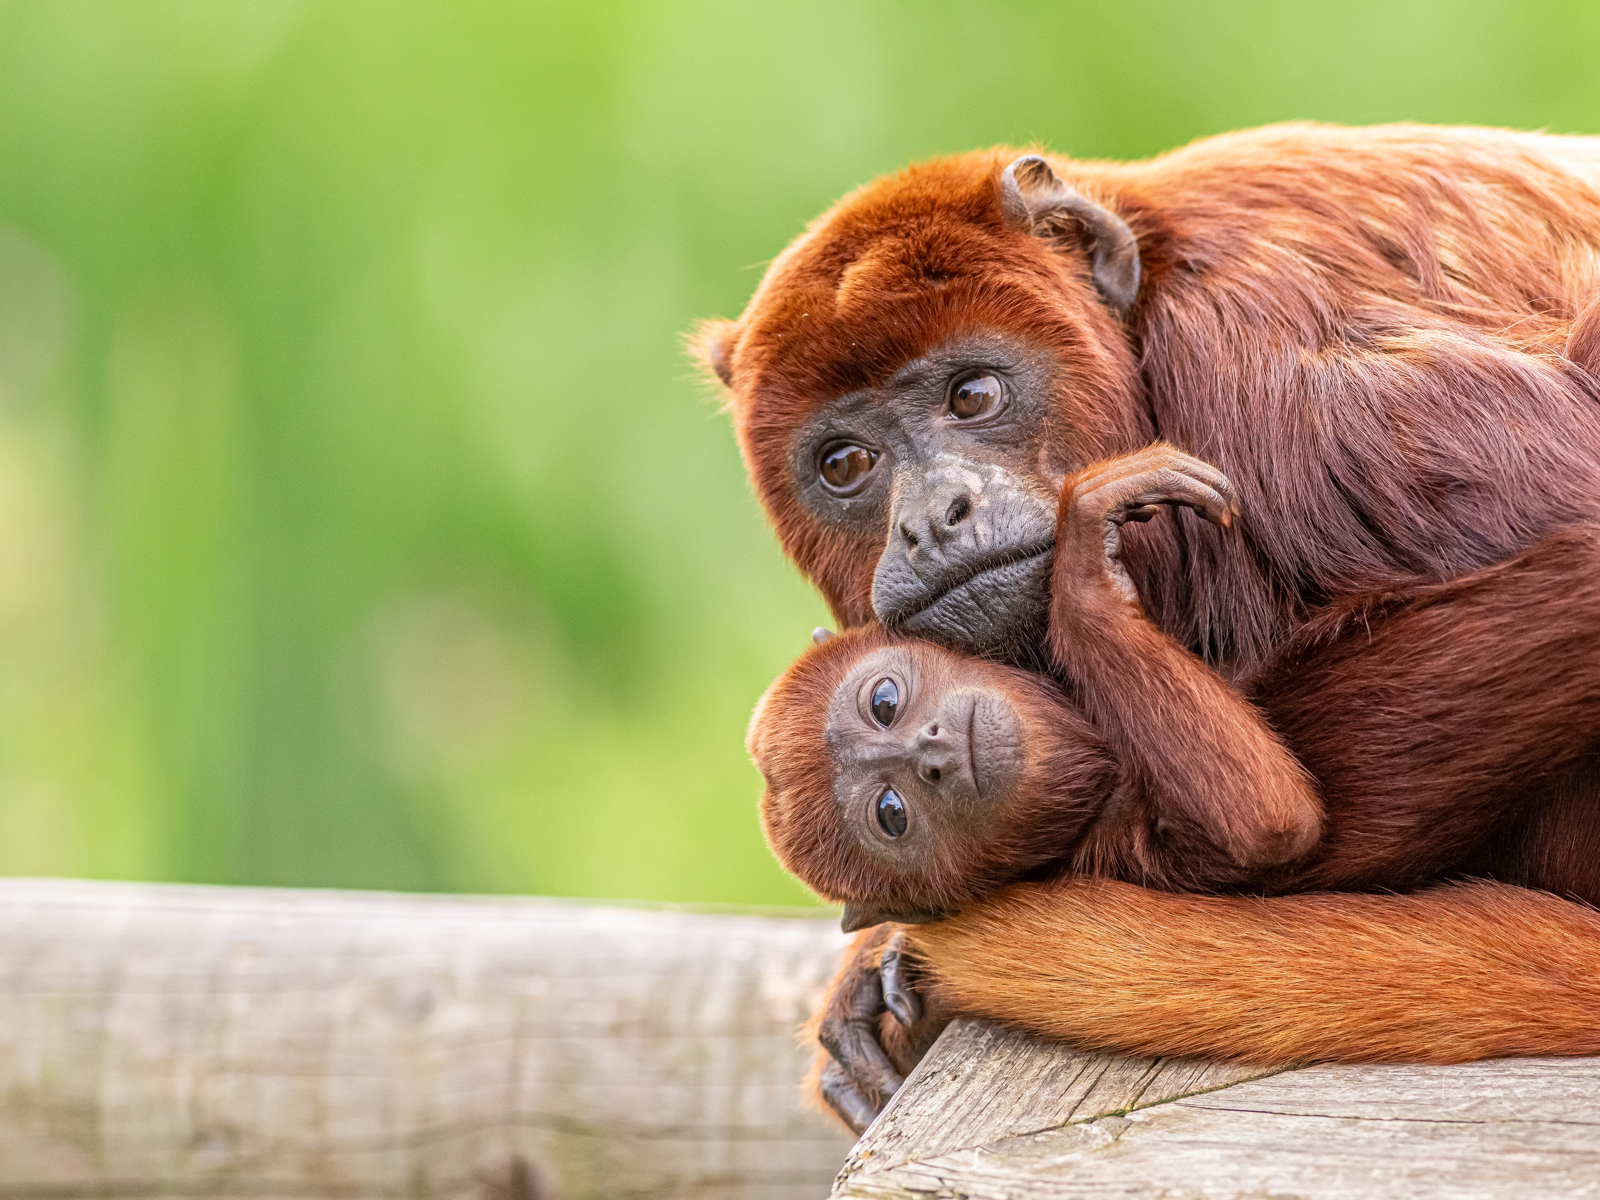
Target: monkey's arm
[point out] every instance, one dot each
(1453, 974)
(1200, 756)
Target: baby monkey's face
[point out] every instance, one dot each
(928, 750)
(936, 778)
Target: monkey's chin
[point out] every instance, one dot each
(998, 614)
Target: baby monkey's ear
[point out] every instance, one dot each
(820, 635)
(864, 915)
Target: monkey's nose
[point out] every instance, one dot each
(945, 513)
(933, 752)
(934, 519)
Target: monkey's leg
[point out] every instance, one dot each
(1453, 974)
(1210, 774)
(1451, 727)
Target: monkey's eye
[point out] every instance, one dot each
(976, 397)
(885, 700)
(844, 465)
(891, 813)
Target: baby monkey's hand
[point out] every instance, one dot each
(1100, 499)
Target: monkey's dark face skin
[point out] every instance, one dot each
(949, 467)
(927, 758)
(905, 779)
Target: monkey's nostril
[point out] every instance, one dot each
(960, 509)
(933, 774)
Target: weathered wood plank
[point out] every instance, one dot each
(166, 1041)
(1495, 1131)
(982, 1084)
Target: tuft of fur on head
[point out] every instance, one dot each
(1069, 775)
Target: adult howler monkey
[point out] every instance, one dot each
(1363, 329)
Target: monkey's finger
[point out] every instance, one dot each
(1109, 470)
(1167, 486)
(1202, 472)
(854, 1109)
(856, 1049)
(852, 1038)
(1138, 515)
(899, 982)
(1171, 467)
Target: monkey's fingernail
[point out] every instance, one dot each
(899, 994)
(854, 1109)
(905, 1006)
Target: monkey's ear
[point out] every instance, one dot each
(1034, 200)
(859, 915)
(711, 344)
(820, 635)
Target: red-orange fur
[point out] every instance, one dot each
(1368, 332)
(1452, 728)
(803, 825)
(1457, 973)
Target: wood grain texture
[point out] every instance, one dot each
(182, 1042)
(994, 1115)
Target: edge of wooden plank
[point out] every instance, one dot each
(982, 1084)
(1495, 1130)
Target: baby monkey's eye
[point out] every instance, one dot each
(891, 813)
(885, 699)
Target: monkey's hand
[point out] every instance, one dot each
(872, 1029)
(1100, 499)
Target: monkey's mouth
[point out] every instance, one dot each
(985, 595)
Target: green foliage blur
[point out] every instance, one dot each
(361, 520)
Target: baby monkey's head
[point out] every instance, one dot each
(906, 780)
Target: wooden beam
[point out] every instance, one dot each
(161, 1041)
(995, 1115)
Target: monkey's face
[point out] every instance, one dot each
(929, 758)
(907, 780)
(948, 470)
(912, 381)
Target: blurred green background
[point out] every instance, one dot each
(361, 522)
